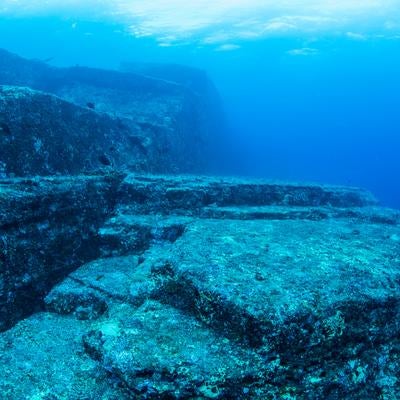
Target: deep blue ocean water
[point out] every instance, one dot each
(329, 113)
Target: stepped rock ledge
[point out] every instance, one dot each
(128, 270)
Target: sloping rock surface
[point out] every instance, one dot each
(218, 288)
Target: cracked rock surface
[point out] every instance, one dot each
(213, 288)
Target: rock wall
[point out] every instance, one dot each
(41, 134)
(48, 227)
(173, 119)
(120, 285)
(211, 118)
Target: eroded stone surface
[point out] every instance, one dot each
(362, 214)
(42, 358)
(45, 135)
(160, 352)
(282, 274)
(127, 233)
(230, 290)
(89, 290)
(48, 227)
(189, 195)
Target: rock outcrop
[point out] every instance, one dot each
(48, 228)
(200, 287)
(177, 128)
(211, 118)
(44, 135)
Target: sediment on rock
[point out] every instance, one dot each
(48, 136)
(191, 194)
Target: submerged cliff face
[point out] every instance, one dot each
(211, 117)
(41, 134)
(176, 128)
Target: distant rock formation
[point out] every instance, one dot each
(176, 128)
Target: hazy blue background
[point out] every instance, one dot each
(323, 108)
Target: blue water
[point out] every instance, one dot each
(331, 115)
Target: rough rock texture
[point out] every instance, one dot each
(176, 129)
(190, 194)
(133, 286)
(189, 361)
(42, 358)
(211, 288)
(48, 227)
(41, 134)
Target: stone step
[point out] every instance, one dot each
(187, 195)
(289, 286)
(48, 228)
(361, 214)
(23, 200)
(238, 276)
(88, 292)
(127, 234)
(158, 352)
(313, 300)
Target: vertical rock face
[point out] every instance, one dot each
(210, 120)
(177, 125)
(48, 227)
(41, 134)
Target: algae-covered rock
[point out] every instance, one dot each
(88, 290)
(130, 233)
(193, 195)
(42, 358)
(280, 284)
(191, 287)
(307, 294)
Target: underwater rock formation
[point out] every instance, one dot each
(177, 128)
(200, 287)
(45, 135)
(48, 227)
(127, 285)
(211, 118)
